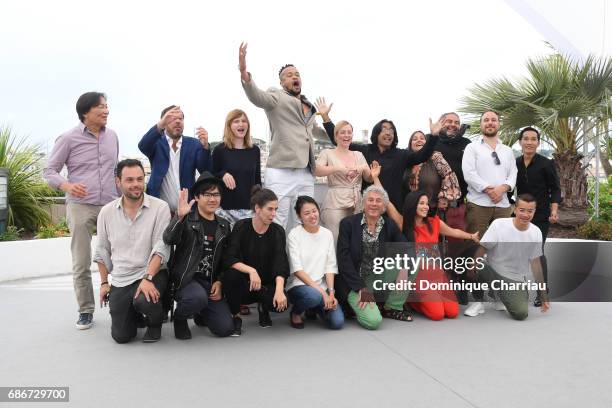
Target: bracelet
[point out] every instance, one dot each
(104, 283)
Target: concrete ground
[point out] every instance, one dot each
(558, 359)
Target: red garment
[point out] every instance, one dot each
(435, 304)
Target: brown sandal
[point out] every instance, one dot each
(400, 315)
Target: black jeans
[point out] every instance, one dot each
(236, 288)
(193, 299)
(123, 308)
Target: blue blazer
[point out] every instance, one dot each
(193, 156)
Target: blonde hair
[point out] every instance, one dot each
(339, 126)
(227, 131)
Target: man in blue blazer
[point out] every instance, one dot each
(174, 158)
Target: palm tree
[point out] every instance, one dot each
(27, 191)
(568, 100)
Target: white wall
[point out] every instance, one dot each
(36, 258)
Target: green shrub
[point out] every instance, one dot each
(605, 201)
(54, 231)
(11, 234)
(27, 191)
(598, 230)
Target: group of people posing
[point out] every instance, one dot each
(207, 248)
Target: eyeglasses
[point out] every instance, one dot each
(390, 130)
(210, 196)
(496, 158)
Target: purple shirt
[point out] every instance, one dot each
(90, 161)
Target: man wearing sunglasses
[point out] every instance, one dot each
(489, 169)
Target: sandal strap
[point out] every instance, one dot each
(397, 315)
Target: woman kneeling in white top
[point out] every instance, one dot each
(312, 259)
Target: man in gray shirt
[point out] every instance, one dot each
(89, 151)
(131, 249)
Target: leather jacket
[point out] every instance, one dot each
(188, 237)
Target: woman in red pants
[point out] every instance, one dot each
(425, 232)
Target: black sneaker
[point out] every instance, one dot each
(237, 327)
(152, 334)
(181, 329)
(85, 321)
(199, 320)
(264, 317)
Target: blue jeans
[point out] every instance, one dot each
(305, 297)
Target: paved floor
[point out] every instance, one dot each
(559, 359)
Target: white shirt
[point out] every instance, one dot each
(480, 171)
(171, 185)
(311, 253)
(509, 249)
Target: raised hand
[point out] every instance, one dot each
(184, 207)
(242, 57)
(323, 108)
(202, 135)
(434, 128)
(375, 168)
(171, 115)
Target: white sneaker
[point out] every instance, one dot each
(499, 306)
(474, 309)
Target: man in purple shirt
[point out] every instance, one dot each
(89, 151)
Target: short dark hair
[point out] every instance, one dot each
(527, 129)
(526, 197)
(206, 186)
(261, 196)
(87, 101)
(489, 110)
(127, 163)
(303, 200)
(444, 115)
(167, 109)
(280, 71)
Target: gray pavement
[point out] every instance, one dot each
(558, 359)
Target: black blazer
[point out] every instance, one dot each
(349, 247)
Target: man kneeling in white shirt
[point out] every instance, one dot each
(513, 245)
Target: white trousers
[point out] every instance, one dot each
(288, 184)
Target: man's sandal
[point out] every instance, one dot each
(401, 315)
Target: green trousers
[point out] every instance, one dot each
(370, 317)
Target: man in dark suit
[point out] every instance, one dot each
(174, 158)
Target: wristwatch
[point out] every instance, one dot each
(330, 291)
(148, 277)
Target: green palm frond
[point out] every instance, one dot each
(557, 95)
(27, 191)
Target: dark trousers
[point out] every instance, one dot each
(236, 288)
(123, 308)
(543, 226)
(193, 298)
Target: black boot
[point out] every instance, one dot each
(152, 334)
(181, 329)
